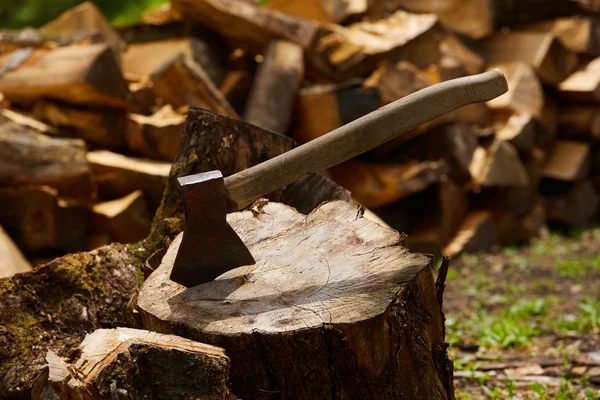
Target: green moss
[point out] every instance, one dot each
(6, 286)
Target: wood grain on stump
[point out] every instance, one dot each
(334, 308)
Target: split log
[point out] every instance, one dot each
(327, 346)
(275, 87)
(573, 204)
(568, 161)
(307, 194)
(454, 50)
(182, 82)
(512, 229)
(87, 75)
(132, 363)
(11, 40)
(37, 219)
(544, 52)
(341, 53)
(117, 175)
(236, 88)
(525, 93)
(88, 17)
(522, 131)
(334, 11)
(579, 34)
(476, 233)
(13, 261)
(479, 18)
(323, 108)
(397, 80)
(28, 120)
(143, 96)
(30, 158)
(379, 184)
(142, 59)
(126, 219)
(103, 127)
(157, 135)
(582, 86)
(250, 26)
(498, 165)
(580, 122)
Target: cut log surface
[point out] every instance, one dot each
(521, 130)
(320, 10)
(250, 25)
(334, 308)
(307, 194)
(525, 92)
(476, 233)
(579, 34)
(140, 364)
(126, 219)
(340, 53)
(544, 52)
(498, 165)
(569, 161)
(86, 75)
(31, 158)
(275, 87)
(183, 82)
(582, 86)
(13, 261)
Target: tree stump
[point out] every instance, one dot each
(334, 308)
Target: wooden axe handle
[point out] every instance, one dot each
(361, 135)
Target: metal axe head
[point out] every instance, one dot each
(209, 246)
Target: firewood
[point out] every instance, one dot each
(582, 86)
(157, 135)
(307, 194)
(28, 120)
(143, 96)
(103, 127)
(512, 229)
(498, 165)
(275, 87)
(341, 53)
(579, 122)
(262, 337)
(13, 261)
(568, 161)
(146, 362)
(37, 219)
(379, 184)
(249, 25)
(323, 108)
(544, 52)
(118, 175)
(87, 75)
(476, 233)
(453, 49)
(521, 130)
(31, 158)
(182, 82)
(334, 11)
(142, 59)
(579, 34)
(525, 93)
(126, 219)
(479, 18)
(571, 204)
(11, 40)
(86, 16)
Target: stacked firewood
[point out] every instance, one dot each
(92, 114)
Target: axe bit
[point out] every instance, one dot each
(210, 246)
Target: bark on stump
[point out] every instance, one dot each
(334, 308)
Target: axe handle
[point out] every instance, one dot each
(361, 135)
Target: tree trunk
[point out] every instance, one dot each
(334, 308)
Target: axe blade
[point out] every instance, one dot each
(209, 247)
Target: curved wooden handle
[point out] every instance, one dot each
(361, 135)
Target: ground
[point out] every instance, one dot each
(524, 323)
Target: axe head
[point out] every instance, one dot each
(209, 246)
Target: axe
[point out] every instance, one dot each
(210, 246)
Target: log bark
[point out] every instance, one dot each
(275, 87)
(102, 127)
(136, 364)
(293, 324)
(13, 260)
(31, 158)
(248, 25)
(87, 75)
(157, 135)
(11, 40)
(127, 219)
(39, 220)
(341, 53)
(182, 82)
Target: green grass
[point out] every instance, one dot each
(35, 13)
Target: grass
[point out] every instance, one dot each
(35, 13)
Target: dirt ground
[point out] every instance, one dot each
(524, 323)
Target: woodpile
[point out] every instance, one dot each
(97, 122)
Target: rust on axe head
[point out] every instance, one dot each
(209, 246)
